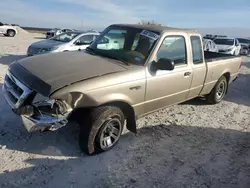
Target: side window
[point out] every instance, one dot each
(86, 39)
(1, 24)
(173, 48)
(196, 49)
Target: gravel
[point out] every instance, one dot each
(190, 145)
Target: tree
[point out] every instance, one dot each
(152, 22)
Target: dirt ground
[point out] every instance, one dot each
(192, 145)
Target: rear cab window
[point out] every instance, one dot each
(197, 52)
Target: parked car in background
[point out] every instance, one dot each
(209, 45)
(228, 45)
(69, 41)
(212, 37)
(8, 30)
(57, 31)
(107, 89)
(245, 45)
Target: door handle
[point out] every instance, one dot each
(187, 73)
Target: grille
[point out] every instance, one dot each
(14, 91)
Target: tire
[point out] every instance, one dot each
(101, 129)
(11, 33)
(219, 91)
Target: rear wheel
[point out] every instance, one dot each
(219, 91)
(11, 33)
(101, 129)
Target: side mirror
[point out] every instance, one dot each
(164, 64)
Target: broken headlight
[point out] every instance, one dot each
(50, 106)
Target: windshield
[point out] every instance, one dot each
(65, 37)
(224, 41)
(128, 44)
(246, 41)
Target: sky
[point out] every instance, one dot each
(97, 14)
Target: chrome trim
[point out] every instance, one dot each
(15, 91)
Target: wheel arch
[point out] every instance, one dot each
(10, 29)
(128, 111)
(125, 107)
(227, 76)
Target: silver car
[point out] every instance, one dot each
(69, 41)
(57, 31)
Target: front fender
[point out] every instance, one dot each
(81, 100)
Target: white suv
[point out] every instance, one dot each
(8, 30)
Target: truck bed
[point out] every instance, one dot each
(214, 56)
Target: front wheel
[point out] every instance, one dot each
(11, 33)
(219, 91)
(101, 129)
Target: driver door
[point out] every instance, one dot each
(82, 43)
(166, 87)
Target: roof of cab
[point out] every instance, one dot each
(159, 29)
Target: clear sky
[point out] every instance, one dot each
(81, 14)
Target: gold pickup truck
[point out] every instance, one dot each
(127, 72)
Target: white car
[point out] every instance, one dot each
(210, 46)
(56, 31)
(8, 30)
(228, 45)
(70, 41)
(108, 43)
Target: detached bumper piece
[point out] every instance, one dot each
(49, 115)
(43, 123)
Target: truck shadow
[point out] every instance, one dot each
(159, 156)
(9, 58)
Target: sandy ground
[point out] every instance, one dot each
(192, 145)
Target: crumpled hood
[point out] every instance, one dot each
(46, 44)
(54, 71)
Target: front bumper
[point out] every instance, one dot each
(226, 52)
(42, 123)
(38, 122)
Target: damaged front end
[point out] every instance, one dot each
(46, 115)
(38, 113)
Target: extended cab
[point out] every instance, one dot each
(106, 89)
(8, 30)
